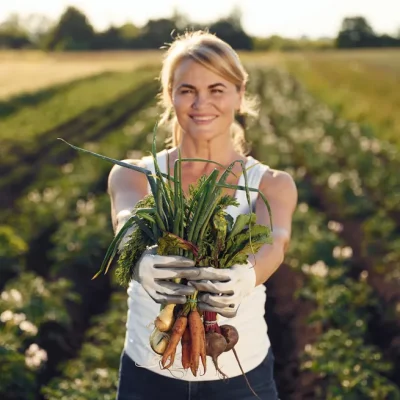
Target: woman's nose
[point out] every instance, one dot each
(200, 101)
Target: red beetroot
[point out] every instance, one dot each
(215, 346)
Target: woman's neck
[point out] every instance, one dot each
(222, 153)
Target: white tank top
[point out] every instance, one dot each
(253, 343)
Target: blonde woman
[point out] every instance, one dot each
(203, 86)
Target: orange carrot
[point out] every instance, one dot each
(196, 328)
(177, 333)
(186, 348)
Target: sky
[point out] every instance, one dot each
(289, 18)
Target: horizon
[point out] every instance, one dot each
(287, 18)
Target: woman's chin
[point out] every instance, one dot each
(203, 132)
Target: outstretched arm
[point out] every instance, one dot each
(280, 190)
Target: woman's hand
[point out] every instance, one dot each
(225, 289)
(153, 272)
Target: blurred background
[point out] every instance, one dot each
(327, 75)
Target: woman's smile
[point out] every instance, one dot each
(202, 119)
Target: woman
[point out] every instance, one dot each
(203, 87)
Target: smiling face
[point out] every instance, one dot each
(204, 102)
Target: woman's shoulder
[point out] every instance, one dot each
(122, 177)
(277, 183)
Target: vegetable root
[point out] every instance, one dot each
(186, 349)
(215, 346)
(177, 333)
(231, 336)
(203, 354)
(165, 319)
(196, 336)
(159, 341)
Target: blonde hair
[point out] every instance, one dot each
(219, 57)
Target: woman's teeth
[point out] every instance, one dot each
(203, 118)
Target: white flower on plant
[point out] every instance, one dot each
(347, 252)
(35, 356)
(67, 168)
(39, 286)
(308, 348)
(28, 327)
(319, 269)
(102, 372)
(50, 194)
(342, 252)
(6, 316)
(327, 146)
(18, 318)
(301, 172)
(5, 296)
(364, 275)
(334, 179)
(303, 207)
(34, 196)
(335, 226)
(16, 295)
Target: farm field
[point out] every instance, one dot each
(333, 307)
(368, 80)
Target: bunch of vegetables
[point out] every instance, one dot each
(195, 226)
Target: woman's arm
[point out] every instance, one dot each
(125, 187)
(280, 190)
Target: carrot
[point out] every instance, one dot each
(186, 348)
(203, 354)
(196, 336)
(177, 333)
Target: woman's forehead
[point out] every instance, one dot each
(195, 74)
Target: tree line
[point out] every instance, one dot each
(74, 32)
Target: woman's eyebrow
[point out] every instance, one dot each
(187, 85)
(215, 85)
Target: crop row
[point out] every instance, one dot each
(48, 221)
(309, 138)
(359, 89)
(87, 126)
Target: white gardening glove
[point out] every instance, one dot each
(224, 296)
(155, 273)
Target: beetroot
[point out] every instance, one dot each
(231, 336)
(215, 346)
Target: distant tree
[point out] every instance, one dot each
(388, 41)
(13, 34)
(73, 32)
(156, 33)
(38, 27)
(356, 32)
(230, 29)
(129, 34)
(109, 39)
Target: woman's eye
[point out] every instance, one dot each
(217, 91)
(186, 91)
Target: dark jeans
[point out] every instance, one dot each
(136, 383)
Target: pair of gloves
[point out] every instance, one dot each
(220, 290)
